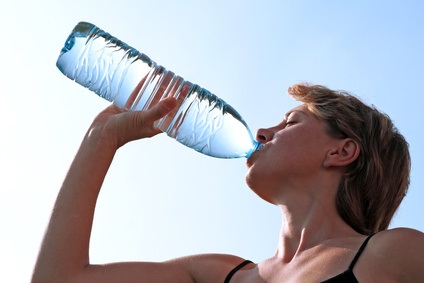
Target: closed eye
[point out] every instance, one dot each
(288, 124)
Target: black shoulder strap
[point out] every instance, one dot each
(358, 254)
(235, 269)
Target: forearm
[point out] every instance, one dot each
(64, 251)
(65, 248)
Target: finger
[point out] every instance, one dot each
(161, 109)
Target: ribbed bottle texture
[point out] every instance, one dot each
(131, 80)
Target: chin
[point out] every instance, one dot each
(261, 192)
(250, 180)
(257, 183)
(249, 162)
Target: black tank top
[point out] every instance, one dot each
(345, 277)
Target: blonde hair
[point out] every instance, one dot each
(376, 183)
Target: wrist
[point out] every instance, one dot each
(99, 139)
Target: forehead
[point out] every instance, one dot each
(302, 109)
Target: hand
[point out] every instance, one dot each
(118, 126)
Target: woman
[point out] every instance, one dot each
(337, 168)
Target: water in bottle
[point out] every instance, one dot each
(131, 80)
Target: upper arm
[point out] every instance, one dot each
(199, 268)
(135, 272)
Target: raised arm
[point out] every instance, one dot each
(64, 254)
(64, 251)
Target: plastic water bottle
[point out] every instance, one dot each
(121, 74)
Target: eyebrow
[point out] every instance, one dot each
(292, 111)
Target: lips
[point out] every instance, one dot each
(261, 146)
(252, 157)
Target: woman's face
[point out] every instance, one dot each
(292, 155)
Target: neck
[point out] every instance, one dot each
(308, 222)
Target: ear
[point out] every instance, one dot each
(344, 154)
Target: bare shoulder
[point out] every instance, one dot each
(399, 241)
(402, 232)
(398, 254)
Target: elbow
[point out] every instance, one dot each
(44, 276)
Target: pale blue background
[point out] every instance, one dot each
(162, 200)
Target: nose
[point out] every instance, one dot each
(264, 135)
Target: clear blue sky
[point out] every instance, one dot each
(162, 200)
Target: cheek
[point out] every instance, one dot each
(297, 154)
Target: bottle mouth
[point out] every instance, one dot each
(256, 146)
